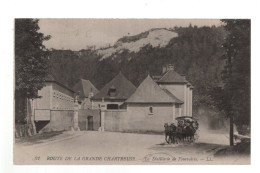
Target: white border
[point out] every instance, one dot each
(119, 9)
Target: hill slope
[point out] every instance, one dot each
(195, 52)
(154, 37)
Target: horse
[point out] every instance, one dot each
(173, 133)
(167, 132)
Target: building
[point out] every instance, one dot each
(53, 111)
(114, 93)
(150, 106)
(179, 87)
(85, 90)
(153, 103)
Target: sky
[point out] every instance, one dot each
(77, 34)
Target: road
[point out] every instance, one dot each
(121, 148)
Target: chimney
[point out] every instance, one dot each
(164, 69)
(170, 67)
(167, 68)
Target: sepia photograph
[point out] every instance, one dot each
(166, 91)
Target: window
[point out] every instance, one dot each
(150, 110)
(112, 106)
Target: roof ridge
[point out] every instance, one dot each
(172, 76)
(150, 92)
(165, 74)
(171, 94)
(124, 88)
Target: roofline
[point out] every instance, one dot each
(171, 82)
(109, 99)
(164, 75)
(61, 85)
(155, 102)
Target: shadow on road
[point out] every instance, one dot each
(38, 138)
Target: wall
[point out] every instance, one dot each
(60, 120)
(59, 103)
(188, 101)
(184, 93)
(116, 120)
(140, 119)
(179, 90)
(137, 118)
(97, 103)
(83, 115)
(44, 101)
(191, 113)
(62, 98)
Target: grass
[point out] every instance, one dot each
(38, 138)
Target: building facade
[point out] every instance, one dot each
(53, 111)
(179, 87)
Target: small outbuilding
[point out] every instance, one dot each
(150, 106)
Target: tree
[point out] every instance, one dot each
(235, 96)
(31, 65)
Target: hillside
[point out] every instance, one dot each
(195, 52)
(154, 37)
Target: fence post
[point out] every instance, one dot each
(76, 116)
(102, 118)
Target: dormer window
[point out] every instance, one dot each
(112, 91)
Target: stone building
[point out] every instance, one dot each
(114, 93)
(179, 87)
(153, 103)
(85, 90)
(53, 111)
(150, 106)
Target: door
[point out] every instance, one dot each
(90, 123)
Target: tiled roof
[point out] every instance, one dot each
(52, 78)
(172, 77)
(122, 89)
(85, 87)
(150, 92)
(173, 96)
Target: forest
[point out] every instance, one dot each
(196, 53)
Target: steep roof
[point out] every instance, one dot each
(123, 89)
(53, 78)
(172, 76)
(173, 96)
(150, 92)
(85, 87)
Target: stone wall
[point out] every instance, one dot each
(83, 118)
(59, 120)
(116, 120)
(138, 119)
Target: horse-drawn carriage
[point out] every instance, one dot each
(183, 132)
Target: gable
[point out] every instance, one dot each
(150, 92)
(119, 88)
